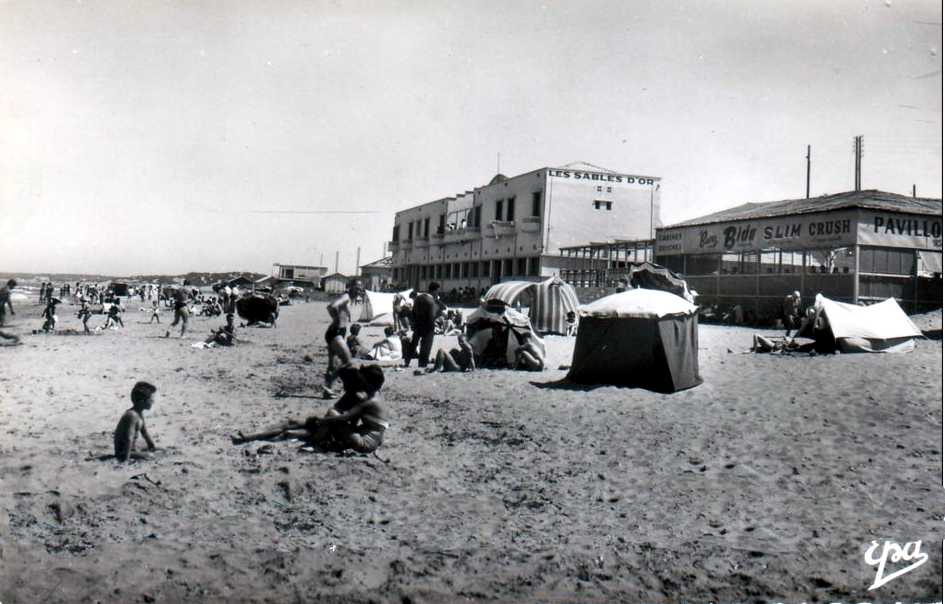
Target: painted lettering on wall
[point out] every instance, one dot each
(594, 176)
(912, 227)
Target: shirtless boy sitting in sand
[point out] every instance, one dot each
(132, 423)
(357, 421)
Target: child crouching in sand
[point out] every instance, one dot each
(132, 423)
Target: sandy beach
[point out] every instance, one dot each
(766, 483)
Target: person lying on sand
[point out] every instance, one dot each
(225, 336)
(456, 359)
(357, 421)
(132, 423)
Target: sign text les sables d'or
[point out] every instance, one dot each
(799, 232)
(594, 176)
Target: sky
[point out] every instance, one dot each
(168, 137)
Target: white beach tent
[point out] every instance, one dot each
(881, 327)
(377, 308)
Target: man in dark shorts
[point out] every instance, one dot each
(426, 308)
(181, 313)
(338, 353)
(5, 293)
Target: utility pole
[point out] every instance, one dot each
(808, 172)
(913, 190)
(858, 161)
(357, 263)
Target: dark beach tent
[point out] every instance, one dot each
(118, 288)
(256, 308)
(641, 337)
(647, 275)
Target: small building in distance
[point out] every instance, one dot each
(336, 283)
(855, 247)
(516, 228)
(377, 275)
(298, 272)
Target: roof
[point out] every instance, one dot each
(386, 262)
(638, 304)
(871, 200)
(299, 266)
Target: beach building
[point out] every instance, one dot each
(298, 271)
(336, 283)
(857, 246)
(516, 228)
(377, 275)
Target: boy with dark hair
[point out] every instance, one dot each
(132, 423)
(84, 315)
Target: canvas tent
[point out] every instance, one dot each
(376, 308)
(258, 308)
(881, 327)
(653, 276)
(495, 331)
(551, 300)
(640, 337)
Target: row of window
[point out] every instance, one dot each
(504, 211)
(888, 261)
(529, 266)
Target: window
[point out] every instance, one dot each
(599, 189)
(396, 233)
(534, 266)
(536, 203)
(610, 189)
(510, 213)
(477, 217)
(842, 260)
(701, 264)
(426, 228)
(410, 232)
(442, 226)
(522, 266)
(603, 205)
(887, 261)
(498, 209)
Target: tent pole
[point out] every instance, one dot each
(856, 274)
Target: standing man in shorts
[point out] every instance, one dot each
(338, 353)
(181, 313)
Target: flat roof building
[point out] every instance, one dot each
(857, 246)
(516, 228)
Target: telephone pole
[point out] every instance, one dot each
(808, 172)
(858, 161)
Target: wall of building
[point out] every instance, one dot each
(623, 208)
(550, 209)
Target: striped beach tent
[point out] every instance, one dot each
(551, 300)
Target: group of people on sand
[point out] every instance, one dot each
(812, 323)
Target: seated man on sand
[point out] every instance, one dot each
(388, 349)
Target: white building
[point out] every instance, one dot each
(514, 228)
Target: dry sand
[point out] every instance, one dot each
(766, 483)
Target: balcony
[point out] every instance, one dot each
(464, 234)
(421, 243)
(531, 224)
(501, 228)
